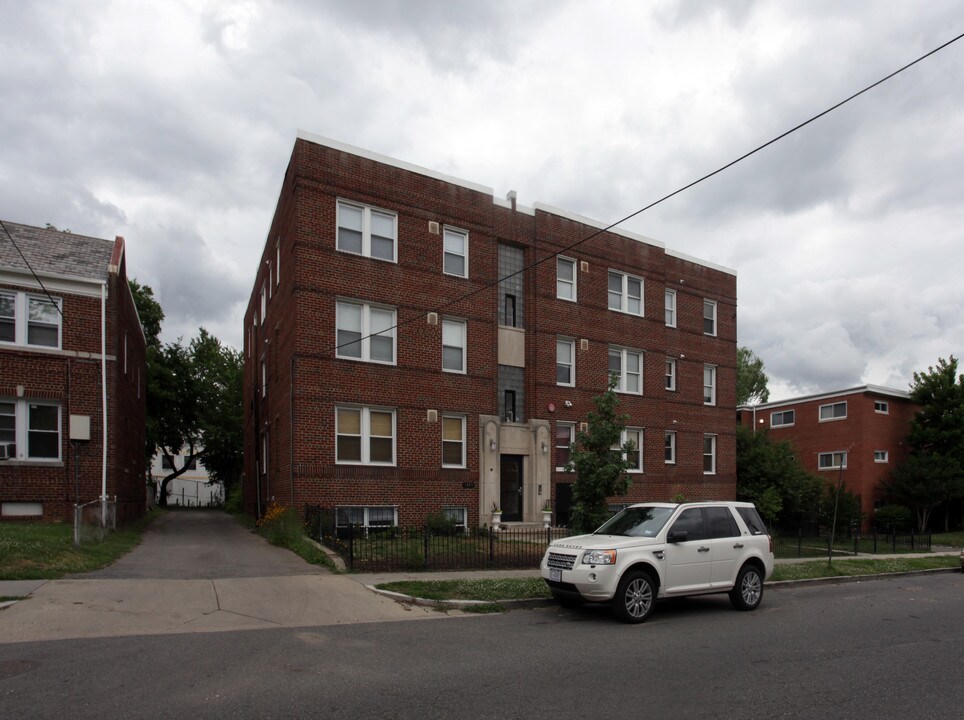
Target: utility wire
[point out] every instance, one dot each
(39, 281)
(653, 204)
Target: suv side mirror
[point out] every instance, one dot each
(676, 536)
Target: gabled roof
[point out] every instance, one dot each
(52, 252)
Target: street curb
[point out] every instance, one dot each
(780, 584)
(461, 604)
(546, 602)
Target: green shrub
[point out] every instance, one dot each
(440, 525)
(897, 517)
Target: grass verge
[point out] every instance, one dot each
(280, 526)
(846, 568)
(494, 590)
(46, 551)
(487, 590)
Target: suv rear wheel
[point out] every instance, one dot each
(635, 596)
(747, 593)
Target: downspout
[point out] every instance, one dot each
(103, 386)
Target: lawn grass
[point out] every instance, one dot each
(45, 551)
(494, 590)
(950, 539)
(851, 567)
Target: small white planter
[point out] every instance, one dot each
(546, 518)
(496, 519)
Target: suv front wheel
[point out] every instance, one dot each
(747, 593)
(635, 596)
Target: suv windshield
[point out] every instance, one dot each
(636, 522)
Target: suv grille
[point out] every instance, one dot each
(561, 561)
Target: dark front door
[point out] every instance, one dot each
(510, 490)
(563, 504)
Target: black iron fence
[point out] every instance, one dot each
(814, 542)
(393, 548)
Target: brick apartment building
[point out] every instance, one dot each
(857, 435)
(72, 375)
(390, 373)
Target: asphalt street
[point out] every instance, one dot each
(882, 650)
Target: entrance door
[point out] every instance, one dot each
(510, 489)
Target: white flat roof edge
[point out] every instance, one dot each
(878, 389)
(386, 160)
(544, 207)
(597, 224)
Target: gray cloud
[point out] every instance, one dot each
(172, 126)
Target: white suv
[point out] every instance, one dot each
(658, 550)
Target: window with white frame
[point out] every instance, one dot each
(709, 454)
(453, 441)
(455, 259)
(833, 411)
(457, 515)
(565, 362)
(365, 332)
(625, 293)
(30, 319)
(565, 279)
(628, 367)
(782, 418)
(635, 458)
(832, 460)
(670, 306)
(565, 437)
(29, 429)
(453, 346)
(881, 456)
(264, 303)
(277, 263)
(363, 230)
(366, 517)
(881, 406)
(709, 317)
(669, 447)
(709, 385)
(670, 374)
(364, 436)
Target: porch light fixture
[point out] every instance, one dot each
(492, 445)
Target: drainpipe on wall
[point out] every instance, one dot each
(103, 384)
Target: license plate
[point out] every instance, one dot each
(555, 574)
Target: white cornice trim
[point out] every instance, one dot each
(68, 284)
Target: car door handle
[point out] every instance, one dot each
(738, 546)
(704, 549)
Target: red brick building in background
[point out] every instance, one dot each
(72, 376)
(857, 435)
(414, 345)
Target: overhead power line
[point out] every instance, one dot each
(27, 263)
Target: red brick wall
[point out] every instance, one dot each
(300, 329)
(73, 377)
(859, 434)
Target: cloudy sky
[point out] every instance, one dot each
(171, 123)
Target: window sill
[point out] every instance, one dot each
(32, 463)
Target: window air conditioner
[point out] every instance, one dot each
(7, 451)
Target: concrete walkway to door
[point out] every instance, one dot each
(196, 571)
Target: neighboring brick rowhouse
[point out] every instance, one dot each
(869, 423)
(59, 371)
(293, 378)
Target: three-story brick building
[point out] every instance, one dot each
(415, 345)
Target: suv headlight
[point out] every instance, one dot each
(599, 557)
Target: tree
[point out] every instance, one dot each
(149, 311)
(751, 380)
(600, 463)
(769, 475)
(197, 408)
(222, 410)
(934, 470)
